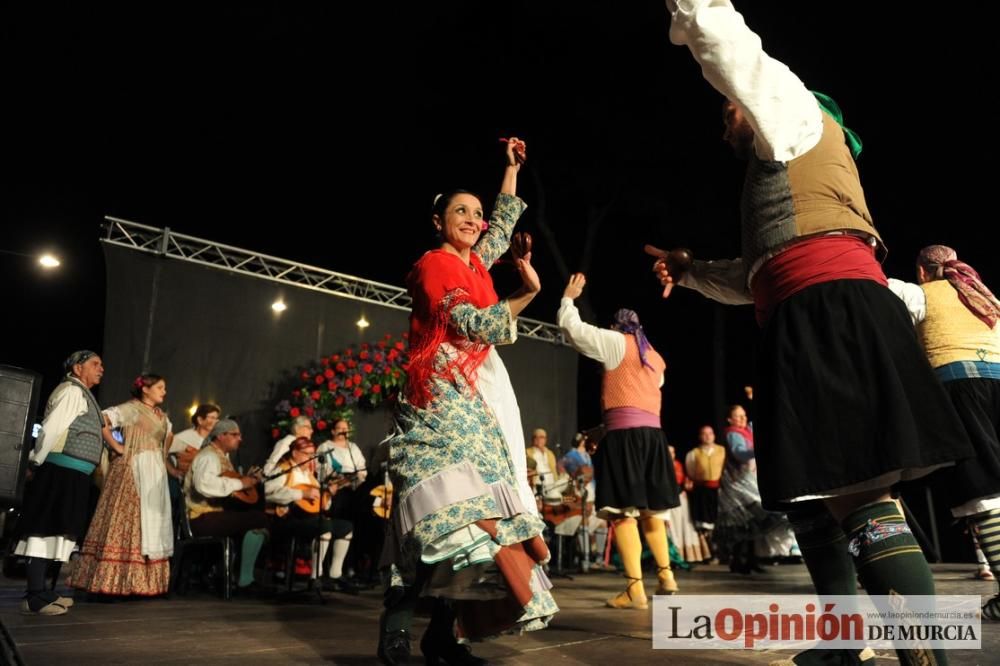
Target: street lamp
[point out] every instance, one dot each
(47, 261)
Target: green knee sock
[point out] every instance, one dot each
(890, 561)
(824, 550)
(253, 541)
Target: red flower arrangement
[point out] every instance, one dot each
(335, 385)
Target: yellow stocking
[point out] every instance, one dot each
(655, 531)
(630, 549)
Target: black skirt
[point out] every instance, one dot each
(977, 402)
(633, 468)
(704, 503)
(846, 395)
(56, 503)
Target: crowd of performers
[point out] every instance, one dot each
(155, 486)
(863, 383)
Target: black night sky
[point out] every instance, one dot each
(321, 131)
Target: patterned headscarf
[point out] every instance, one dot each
(81, 356)
(627, 321)
(941, 263)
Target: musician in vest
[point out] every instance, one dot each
(67, 451)
(207, 488)
(294, 498)
(956, 317)
(846, 404)
(633, 469)
(543, 470)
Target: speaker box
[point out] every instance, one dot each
(19, 389)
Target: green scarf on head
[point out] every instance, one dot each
(831, 107)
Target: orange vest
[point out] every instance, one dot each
(633, 384)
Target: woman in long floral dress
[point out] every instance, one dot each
(464, 526)
(128, 546)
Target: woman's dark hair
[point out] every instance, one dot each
(203, 411)
(145, 380)
(444, 200)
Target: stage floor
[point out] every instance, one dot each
(202, 628)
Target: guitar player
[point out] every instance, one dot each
(208, 489)
(294, 497)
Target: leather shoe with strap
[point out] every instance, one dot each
(629, 598)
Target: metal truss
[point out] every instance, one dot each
(181, 247)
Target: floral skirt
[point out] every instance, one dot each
(459, 512)
(111, 560)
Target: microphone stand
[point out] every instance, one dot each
(559, 571)
(581, 485)
(323, 486)
(317, 563)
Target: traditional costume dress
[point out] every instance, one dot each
(128, 546)
(464, 525)
(956, 317)
(680, 526)
(632, 467)
(704, 465)
(54, 515)
(847, 403)
(743, 528)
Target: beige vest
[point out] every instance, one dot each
(702, 467)
(815, 193)
(198, 504)
(950, 332)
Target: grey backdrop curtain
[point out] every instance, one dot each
(214, 337)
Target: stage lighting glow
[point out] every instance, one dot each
(48, 261)
(362, 323)
(192, 409)
(279, 306)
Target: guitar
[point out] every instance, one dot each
(382, 506)
(185, 458)
(246, 495)
(557, 513)
(341, 479)
(308, 505)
